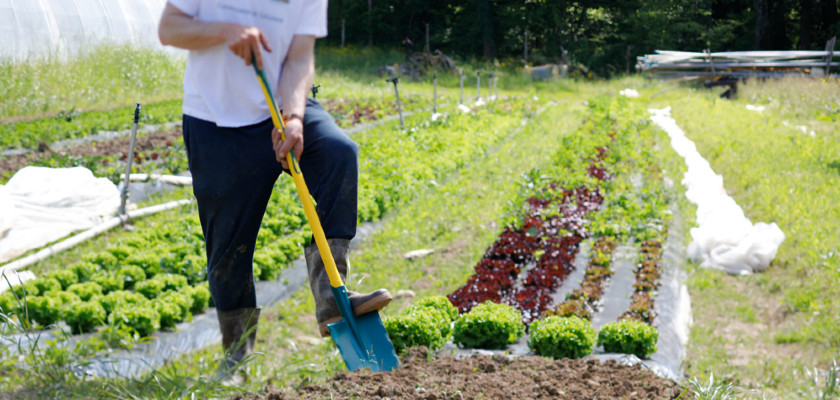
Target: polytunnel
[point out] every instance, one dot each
(39, 28)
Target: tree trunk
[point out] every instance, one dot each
(806, 23)
(485, 21)
(761, 15)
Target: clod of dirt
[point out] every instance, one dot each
(491, 377)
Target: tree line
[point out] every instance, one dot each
(602, 35)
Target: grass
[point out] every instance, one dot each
(760, 332)
(99, 78)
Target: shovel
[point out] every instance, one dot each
(362, 339)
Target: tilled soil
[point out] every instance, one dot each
(490, 377)
(104, 148)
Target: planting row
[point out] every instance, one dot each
(73, 124)
(137, 261)
(433, 321)
(586, 191)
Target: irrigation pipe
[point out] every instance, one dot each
(89, 234)
(170, 179)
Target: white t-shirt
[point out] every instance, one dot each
(218, 86)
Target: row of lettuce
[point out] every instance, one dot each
(75, 124)
(604, 183)
(131, 285)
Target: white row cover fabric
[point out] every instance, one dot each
(63, 27)
(40, 205)
(724, 239)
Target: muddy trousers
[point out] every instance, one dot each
(234, 171)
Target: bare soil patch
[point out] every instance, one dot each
(489, 377)
(105, 148)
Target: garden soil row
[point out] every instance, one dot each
(489, 377)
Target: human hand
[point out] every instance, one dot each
(294, 141)
(245, 41)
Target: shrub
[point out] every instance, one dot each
(440, 303)
(421, 327)
(86, 290)
(143, 318)
(150, 288)
(103, 259)
(84, 270)
(628, 337)
(67, 298)
(489, 325)
(8, 303)
(181, 299)
(24, 290)
(113, 300)
(120, 252)
(65, 277)
(45, 310)
(120, 336)
(192, 266)
(441, 309)
(149, 262)
(85, 316)
(109, 281)
(171, 281)
(44, 285)
(200, 298)
(131, 274)
(271, 261)
(562, 337)
(170, 314)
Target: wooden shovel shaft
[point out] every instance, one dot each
(300, 184)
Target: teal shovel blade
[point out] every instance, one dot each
(362, 340)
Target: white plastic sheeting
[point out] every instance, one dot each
(46, 204)
(724, 239)
(62, 27)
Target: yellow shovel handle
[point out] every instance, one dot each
(303, 191)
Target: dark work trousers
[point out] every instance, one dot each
(234, 171)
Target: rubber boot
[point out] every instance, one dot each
(239, 332)
(326, 310)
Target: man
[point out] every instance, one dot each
(235, 154)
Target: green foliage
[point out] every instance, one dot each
(45, 310)
(150, 288)
(418, 327)
(119, 336)
(84, 270)
(85, 316)
(109, 281)
(200, 298)
(103, 259)
(628, 337)
(170, 314)
(562, 337)
(130, 275)
(489, 326)
(64, 277)
(8, 303)
(44, 285)
(114, 300)
(181, 299)
(86, 290)
(148, 261)
(142, 317)
(439, 303)
(171, 281)
(193, 267)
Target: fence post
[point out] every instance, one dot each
(395, 80)
(434, 93)
(129, 159)
(478, 85)
(461, 72)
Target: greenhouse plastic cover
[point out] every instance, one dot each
(40, 205)
(724, 239)
(63, 27)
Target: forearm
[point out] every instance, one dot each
(183, 31)
(295, 82)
